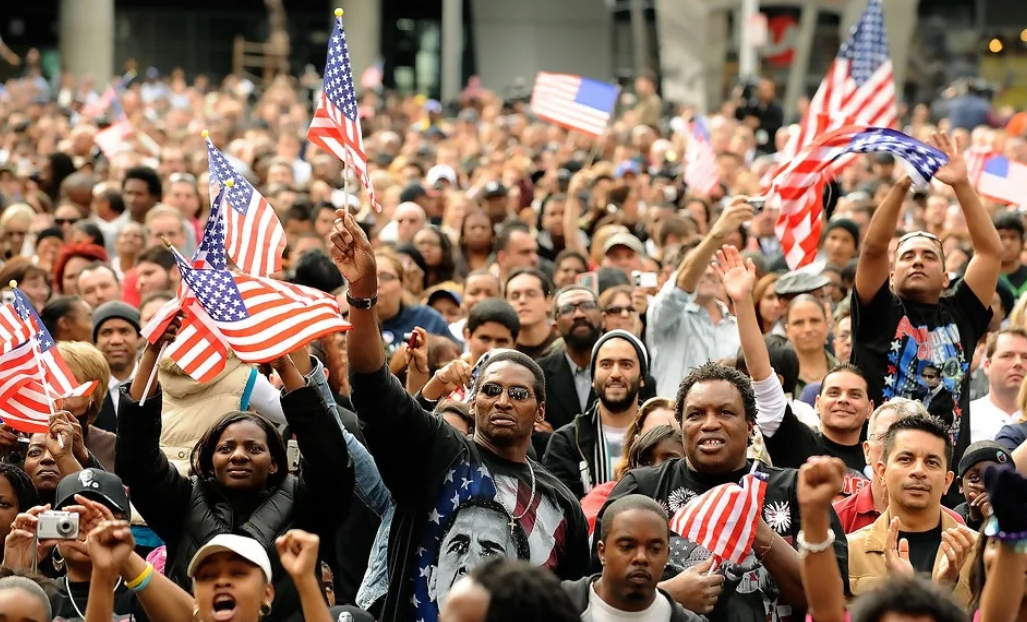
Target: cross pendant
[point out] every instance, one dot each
(512, 525)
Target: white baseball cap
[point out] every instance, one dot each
(246, 548)
(441, 171)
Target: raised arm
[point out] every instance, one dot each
(820, 479)
(297, 550)
(159, 491)
(872, 268)
(354, 257)
(983, 270)
(695, 263)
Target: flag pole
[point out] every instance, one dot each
(36, 354)
(160, 355)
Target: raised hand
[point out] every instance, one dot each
(954, 172)
(732, 218)
(20, 549)
(170, 332)
(297, 551)
(416, 351)
(60, 437)
(820, 481)
(454, 375)
(353, 255)
(738, 275)
(110, 543)
(896, 552)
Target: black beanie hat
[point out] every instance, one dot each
(643, 354)
(983, 451)
(844, 223)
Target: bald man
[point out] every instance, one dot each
(410, 218)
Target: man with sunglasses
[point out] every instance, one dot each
(902, 324)
(434, 473)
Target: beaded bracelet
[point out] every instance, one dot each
(1016, 540)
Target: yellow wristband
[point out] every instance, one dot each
(143, 576)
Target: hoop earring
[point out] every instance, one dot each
(196, 614)
(265, 610)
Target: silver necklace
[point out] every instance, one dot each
(71, 597)
(531, 501)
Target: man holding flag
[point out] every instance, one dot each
(901, 322)
(716, 409)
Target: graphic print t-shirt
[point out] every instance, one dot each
(921, 351)
(749, 594)
(458, 505)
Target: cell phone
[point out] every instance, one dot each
(410, 339)
(589, 280)
(292, 452)
(644, 279)
(757, 203)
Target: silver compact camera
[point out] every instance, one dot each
(57, 526)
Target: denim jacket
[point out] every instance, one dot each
(372, 492)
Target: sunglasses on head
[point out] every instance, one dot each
(517, 394)
(919, 234)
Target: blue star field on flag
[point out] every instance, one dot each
(867, 48)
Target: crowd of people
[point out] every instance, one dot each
(556, 345)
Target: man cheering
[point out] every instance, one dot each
(459, 500)
(904, 330)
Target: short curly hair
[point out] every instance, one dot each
(709, 372)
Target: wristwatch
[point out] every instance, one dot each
(362, 303)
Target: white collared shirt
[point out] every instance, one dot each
(114, 384)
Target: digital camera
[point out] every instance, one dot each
(57, 526)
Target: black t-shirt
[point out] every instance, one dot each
(538, 351)
(794, 443)
(458, 504)
(126, 606)
(894, 341)
(750, 593)
(923, 548)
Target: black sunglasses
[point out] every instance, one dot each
(517, 394)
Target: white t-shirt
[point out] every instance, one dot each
(599, 611)
(614, 440)
(986, 419)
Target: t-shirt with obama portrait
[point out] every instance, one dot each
(458, 504)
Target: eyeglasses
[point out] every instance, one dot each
(517, 394)
(66, 221)
(387, 277)
(585, 305)
(621, 311)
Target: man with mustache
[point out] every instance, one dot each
(902, 325)
(585, 452)
(634, 549)
(914, 535)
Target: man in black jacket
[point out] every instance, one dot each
(459, 500)
(634, 549)
(585, 452)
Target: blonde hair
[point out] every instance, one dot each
(1018, 316)
(87, 364)
(17, 210)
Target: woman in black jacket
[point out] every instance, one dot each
(240, 481)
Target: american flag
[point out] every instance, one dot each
(24, 403)
(57, 377)
(574, 102)
(111, 139)
(701, 171)
(336, 123)
(976, 157)
(798, 188)
(260, 318)
(1003, 179)
(254, 236)
(197, 349)
(723, 520)
(859, 88)
(13, 329)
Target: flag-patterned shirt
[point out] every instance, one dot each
(458, 504)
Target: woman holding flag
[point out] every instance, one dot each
(241, 482)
